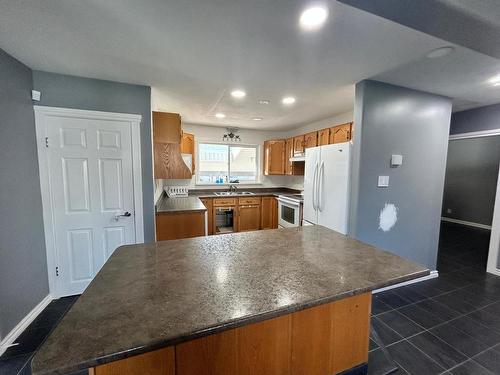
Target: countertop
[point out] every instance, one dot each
(257, 192)
(154, 295)
(166, 204)
(179, 204)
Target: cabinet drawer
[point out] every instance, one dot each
(249, 200)
(224, 201)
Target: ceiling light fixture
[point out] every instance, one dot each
(440, 52)
(264, 101)
(238, 94)
(220, 115)
(495, 81)
(288, 100)
(257, 119)
(313, 18)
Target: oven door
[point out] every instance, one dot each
(288, 213)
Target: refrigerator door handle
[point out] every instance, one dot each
(321, 176)
(314, 186)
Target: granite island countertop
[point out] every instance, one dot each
(155, 295)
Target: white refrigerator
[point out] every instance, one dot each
(327, 186)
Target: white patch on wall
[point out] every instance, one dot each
(388, 217)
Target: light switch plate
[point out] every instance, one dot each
(383, 181)
(396, 160)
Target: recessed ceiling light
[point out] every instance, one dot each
(220, 115)
(264, 101)
(495, 81)
(257, 119)
(313, 18)
(238, 94)
(288, 100)
(440, 52)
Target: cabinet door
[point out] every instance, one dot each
(208, 202)
(187, 146)
(298, 145)
(166, 127)
(311, 139)
(274, 157)
(248, 217)
(323, 137)
(341, 133)
(288, 155)
(269, 213)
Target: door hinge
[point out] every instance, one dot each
(57, 271)
(46, 141)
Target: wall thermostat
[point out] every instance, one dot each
(35, 95)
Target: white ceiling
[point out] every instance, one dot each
(482, 10)
(194, 52)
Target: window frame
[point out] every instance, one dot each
(257, 147)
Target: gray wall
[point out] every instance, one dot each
(477, 119)
(92, 94)
(23, 265)
(471, 179)
(395, 120)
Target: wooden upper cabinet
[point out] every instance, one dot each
(167, 127)
(324, 137)
(187, 147)
(311, 139)
(288, 155)
(274, 157)
(341, 133)
(298, 145)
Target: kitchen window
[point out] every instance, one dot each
(226, 164)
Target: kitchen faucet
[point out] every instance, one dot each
(232, 188)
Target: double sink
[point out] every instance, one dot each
(229, 193)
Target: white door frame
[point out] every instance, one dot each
(41, 112)
(494, 250)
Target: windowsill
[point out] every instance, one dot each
(228, 184)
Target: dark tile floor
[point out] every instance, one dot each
(449, 325)
(16, 360)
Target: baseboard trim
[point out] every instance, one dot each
(432, 275)
(23, 324)
(468, 223)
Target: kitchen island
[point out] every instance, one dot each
(285, 301)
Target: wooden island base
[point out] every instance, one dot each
(323, 340)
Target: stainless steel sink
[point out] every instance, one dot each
(229, 193)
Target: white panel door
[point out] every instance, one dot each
(91, 187)
(311, 170)
(333, 190)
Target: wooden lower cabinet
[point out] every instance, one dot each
(152, 363)
(208, 202)
(322, 340)
(248, 217)
(177, 225)
(269, 213)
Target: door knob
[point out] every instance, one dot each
(126, 214)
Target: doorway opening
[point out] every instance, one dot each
(471, 183)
